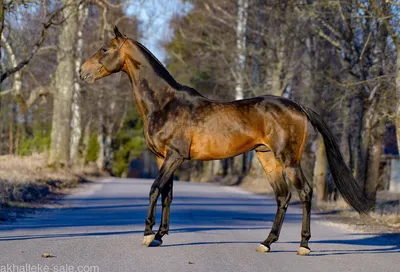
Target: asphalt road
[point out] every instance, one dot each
(213, 228)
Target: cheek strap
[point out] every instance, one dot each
(119, 47)
(105, 58)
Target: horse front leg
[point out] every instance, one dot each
(166, 197)
(170, 164)
(151, 215)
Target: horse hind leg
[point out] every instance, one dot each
(305, 192)
(276, 177)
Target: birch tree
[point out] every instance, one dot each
(392, 23)
(64, 87)
(76, 122)
(241, 47)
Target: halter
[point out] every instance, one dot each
(119, 47)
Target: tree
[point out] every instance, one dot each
(76, 120)
(64, 86)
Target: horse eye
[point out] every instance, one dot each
(104, 49)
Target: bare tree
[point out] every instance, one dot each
(64, 83)
(76, 122)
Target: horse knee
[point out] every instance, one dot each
(167, 201)
(283, 200)
(154, 193)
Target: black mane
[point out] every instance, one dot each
(157, 66)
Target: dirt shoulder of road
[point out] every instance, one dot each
(385, 219)
(27, 183)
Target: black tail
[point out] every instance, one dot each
(342, 177)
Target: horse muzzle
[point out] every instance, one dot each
(88, 77)
(86, 74)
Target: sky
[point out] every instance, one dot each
(154, 17)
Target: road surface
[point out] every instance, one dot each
(213, 228)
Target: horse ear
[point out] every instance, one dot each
(117, 33)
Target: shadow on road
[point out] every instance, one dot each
(384, 243)
(205, 213)
(125, 216)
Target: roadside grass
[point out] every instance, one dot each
(385, 217)
(27, 180)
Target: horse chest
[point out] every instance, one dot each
(162, 135)
(155, 135)
(154, 145)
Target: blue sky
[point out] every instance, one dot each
(154, 17)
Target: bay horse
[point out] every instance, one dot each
(181, 124)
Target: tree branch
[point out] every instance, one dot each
(38, 43)
(387, 25)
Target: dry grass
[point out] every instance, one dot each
(29, 178)
(386, 217)
(16, 169)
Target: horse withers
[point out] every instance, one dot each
(180, 124)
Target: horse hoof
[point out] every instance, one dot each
(262, 248)
(155, 243)
(147, 239)
(303, 251)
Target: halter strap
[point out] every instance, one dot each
(120, 46)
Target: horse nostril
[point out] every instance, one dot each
(80, 70)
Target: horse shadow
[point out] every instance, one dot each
(125, 217)
(376, 243)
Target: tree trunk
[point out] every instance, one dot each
(209, 171)
(17, 83)
(100, 162)
(2, 17)
(101, 136)
(365, 144)
(241, 47)
(276, 85)
(357, 162)
(1, 136)
(17, 136)
(86, 139)
(374, 158)
(108, 152)
(11, 130)
(344, 137)
(64, 88)
(16, 93)
(321, 171)
(398, 99)
(76, 126)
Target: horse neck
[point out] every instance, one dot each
(151, 92)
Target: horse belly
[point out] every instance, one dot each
(220, 145)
